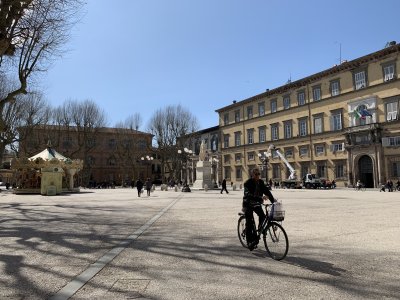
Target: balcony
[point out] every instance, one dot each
(360, 128)
(367, 134)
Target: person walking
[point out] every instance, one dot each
(223, 188)
(139, 186)
(148, 186)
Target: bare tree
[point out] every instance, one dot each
(127, 150)
(36, 31)
(20, 117)
(169, 125)
(11, 11)
(78, 124)
(132, 122)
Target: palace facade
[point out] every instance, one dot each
(341, 123)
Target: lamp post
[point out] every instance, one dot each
(264, 157)
(147, 160)
(186, 155)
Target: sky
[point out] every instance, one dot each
(139, 56)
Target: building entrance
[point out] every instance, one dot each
(365, 171)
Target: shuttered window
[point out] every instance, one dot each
(391, 111)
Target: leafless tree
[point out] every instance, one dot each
(36, 32)
(11, 12)
(169, 125)
(132, 122)
(20, 117)
(128, 150)
(74, 128)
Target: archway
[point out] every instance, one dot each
(366, 171)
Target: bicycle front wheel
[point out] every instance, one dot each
(242, 231)
(276, 241)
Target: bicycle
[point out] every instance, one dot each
(360, 188)
(275, 238)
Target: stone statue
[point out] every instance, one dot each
(202, 154)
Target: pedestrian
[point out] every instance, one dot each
(270, 183)
(223, 188)
(390, 185)
(148, 186)
(139, 186)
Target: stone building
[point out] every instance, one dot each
(192, 143)
(110, 155)
(341, 123)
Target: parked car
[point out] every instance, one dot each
(327, 184)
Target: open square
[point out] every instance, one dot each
(342, 244)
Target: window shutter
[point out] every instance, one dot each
(385, 142)
(332, 123)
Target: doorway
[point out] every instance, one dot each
(365, 171)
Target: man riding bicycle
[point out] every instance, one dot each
(254, 189)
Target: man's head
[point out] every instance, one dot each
(255, 173)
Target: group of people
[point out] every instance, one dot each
(147, 184)
(389, 186)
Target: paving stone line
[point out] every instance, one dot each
(79, 281)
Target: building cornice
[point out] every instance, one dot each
(345, 66)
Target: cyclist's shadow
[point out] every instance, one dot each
(314, 265)
(309, 264)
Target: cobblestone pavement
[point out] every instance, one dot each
(110, 244)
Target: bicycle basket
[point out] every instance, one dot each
(279, 213)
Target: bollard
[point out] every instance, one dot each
(206, 187)
(176, 188)
(234, 187)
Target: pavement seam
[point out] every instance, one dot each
(79, 281)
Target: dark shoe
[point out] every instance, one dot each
(252, 246)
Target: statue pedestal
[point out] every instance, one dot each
(203, 175)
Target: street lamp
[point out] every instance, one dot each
(147, 160)
(186, 154)
(264, 157)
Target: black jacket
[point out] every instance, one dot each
(254, 191)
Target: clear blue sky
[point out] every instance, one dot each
(141, 55)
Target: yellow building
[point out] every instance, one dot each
(341, 123)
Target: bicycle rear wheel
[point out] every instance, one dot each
(242, 231)
(276, 241)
